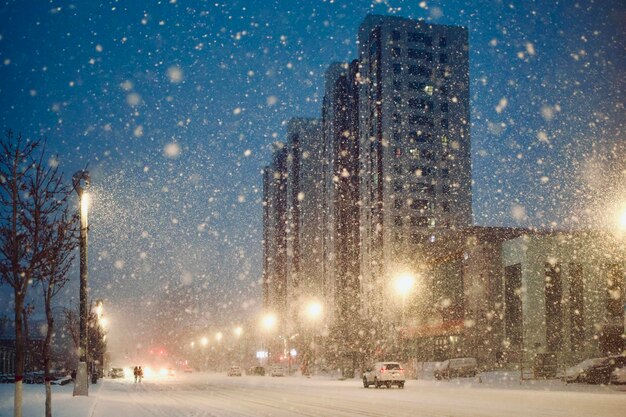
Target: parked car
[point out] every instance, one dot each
(116, 373)
(601, 373)
(384, 373)
(618, 376)
(277, 370)
(256, 370)
(234, 371)
(578, 372)
(36, 377)
(456, 367)
(7, 378)
(596, 370)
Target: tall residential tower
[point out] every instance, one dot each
(414, 146)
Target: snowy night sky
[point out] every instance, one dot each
(174, 105)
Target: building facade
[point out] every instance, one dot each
(508, 296)
(304, 207)
(564, 295)
(340, 123)
(275, 232)
(415, 165)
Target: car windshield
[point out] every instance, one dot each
(307, 188)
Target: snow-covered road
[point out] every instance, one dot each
(200, 395)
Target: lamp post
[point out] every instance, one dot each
(81, 182)
(238, 332)
(314, 312)
(204, 341)
(269, 322)
(101, 322)
(404, 284)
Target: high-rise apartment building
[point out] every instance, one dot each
(374, 190)
(304, 207)
(275, 232)
(414, 146)
(340, 124)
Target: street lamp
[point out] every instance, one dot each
(314, 312)
(81, 182)
(404, 285)
(101, 322)
(268, 322)
(238, 331)
(204, 341)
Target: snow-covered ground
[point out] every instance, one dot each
(218, 395)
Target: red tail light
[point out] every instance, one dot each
(382, 369)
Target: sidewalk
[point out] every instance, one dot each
(63, 402)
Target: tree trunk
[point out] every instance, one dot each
(47, 354)
(48, 399)
(19, 351)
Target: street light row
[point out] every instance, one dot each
(268, 322)
(204, 340)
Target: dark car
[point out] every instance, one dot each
(36, 377)
(256, 370)
(456, 367)
(595, 371)
(116, 373)
(601, 373)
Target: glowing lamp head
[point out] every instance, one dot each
(84, 205)
(622, 220)
(238, 331)
(404, 283)
(314, 310)
(269, 321)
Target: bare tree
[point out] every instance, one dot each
(72, 326)
(62, 237)
(96, 334)
(49, 208)
(32, 200)
(18, 256)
